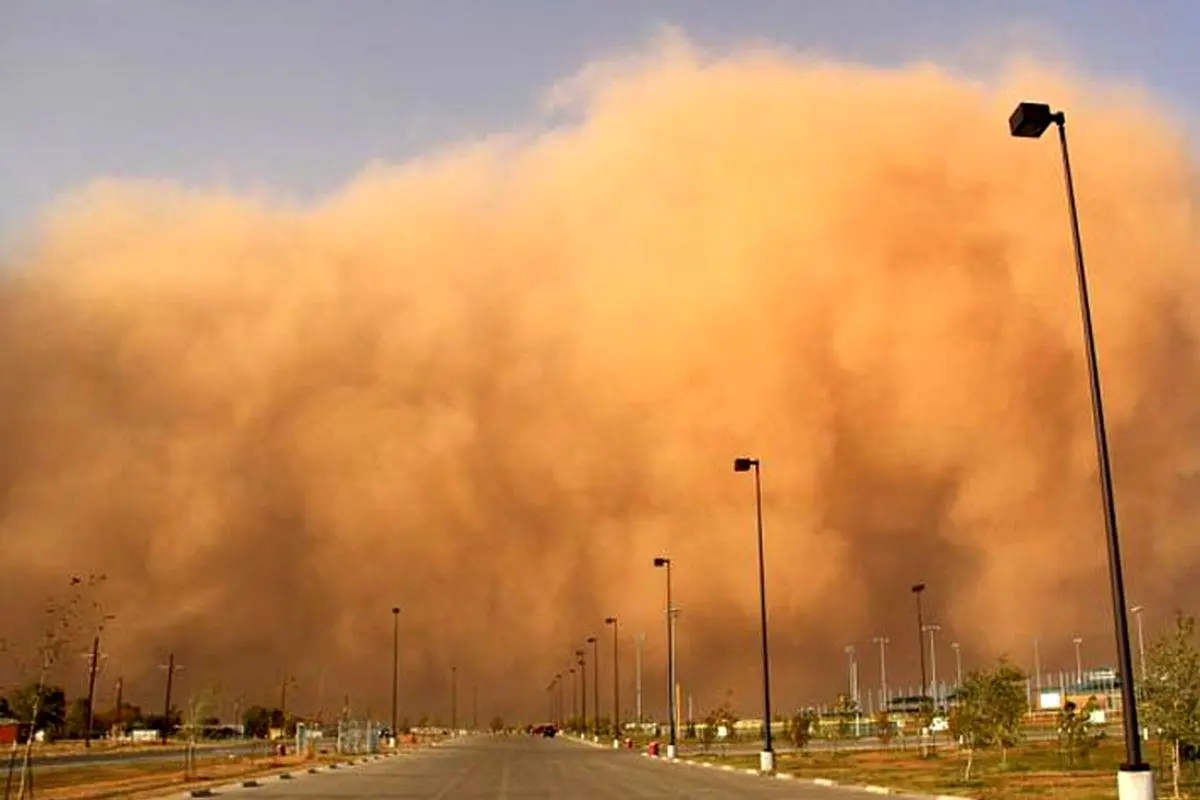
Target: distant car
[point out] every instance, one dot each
(548, 731)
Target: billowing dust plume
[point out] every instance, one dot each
(490, 385)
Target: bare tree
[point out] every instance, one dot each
(66, 618)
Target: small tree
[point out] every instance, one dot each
(708, 731)
(988, 713)
(66, 617)
(256, 721)
(924, 719)
(845, 710)
(800, 729)
(76, 720)
(1171, 689)
(885, 729)
(1078, 736)
(724, 716)
(497, 724)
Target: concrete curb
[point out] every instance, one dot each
(825, 782)
(254, 783)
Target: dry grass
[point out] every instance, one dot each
(1032, 771)
(50, 750)
(148, 778)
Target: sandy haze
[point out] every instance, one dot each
(491, 384)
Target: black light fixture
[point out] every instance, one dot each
(1030, 120)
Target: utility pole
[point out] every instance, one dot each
(957, 648)
(91, 696)
(475, 706)
(171, 667)
(120, 698)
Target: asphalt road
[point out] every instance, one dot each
(528, 768)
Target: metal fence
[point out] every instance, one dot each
(357, 736)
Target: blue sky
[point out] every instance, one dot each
(297, 95)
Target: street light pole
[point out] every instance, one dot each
(581, 662)
(574, 695)
(767, 757)
(665, 563)
(1135, 781)
(558, 720)
(454, 701)
(595, 684)
(395, 670)
(957, 648)
(616, 681)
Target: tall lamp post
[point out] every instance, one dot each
(766, 761)
(1134, 778)
(595, 684)
(616, 682)
(665, 563)
(454, 701)
(581, 662)
(395, 670)
(574, 697)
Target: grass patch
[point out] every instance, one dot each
(1034, 770)
(131, 779)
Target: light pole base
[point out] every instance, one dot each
(1135, 784)
(671, 752)
(766, 762)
